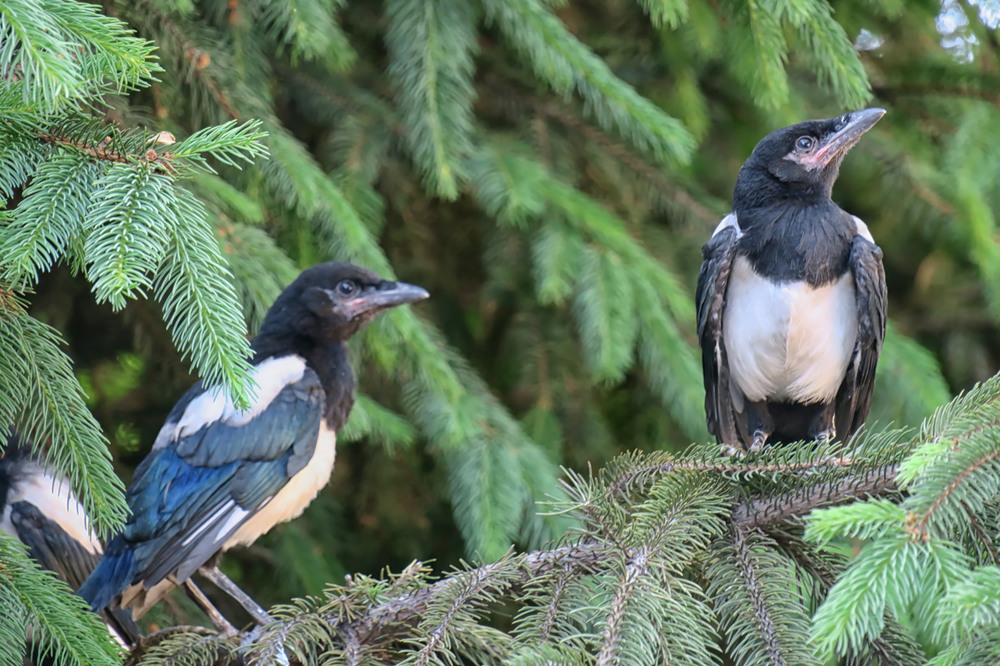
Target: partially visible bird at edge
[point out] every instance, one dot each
(791, 297)
(38, 507)
(218, 476)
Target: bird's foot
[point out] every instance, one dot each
(759, 439)
(826, 435)
(733, 451)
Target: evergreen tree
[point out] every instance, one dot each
(549, 172)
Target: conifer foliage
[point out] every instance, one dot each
(548, 171)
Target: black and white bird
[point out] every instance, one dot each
(38, 507)
(791, 296)
(218, 476)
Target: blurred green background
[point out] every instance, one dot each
(557, 220)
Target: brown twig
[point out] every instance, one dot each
(101, 152)
(670, 466)
(197, 59)
(920, 529)
(878, 482)
(981, 533)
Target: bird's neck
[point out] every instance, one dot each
(797, 240)
(331, 363)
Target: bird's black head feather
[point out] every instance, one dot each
(800, 161)
(331, 302)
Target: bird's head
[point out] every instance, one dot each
(333, 301)
(802, 159)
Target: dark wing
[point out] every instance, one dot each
(855, 396)
(710, 298)
(206, 479)
(50, 545)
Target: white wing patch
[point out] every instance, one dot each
(862, 229)
(271, 376)
(237, 514)
(55, 500)
(788, 341)
(729, 222)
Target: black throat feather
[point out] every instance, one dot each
(329, 360)
(797, 240)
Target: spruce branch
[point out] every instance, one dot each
(150, 641)
(920, 529)
(751, 580)
(984, 538)
(636, 568)
(394, 614)
(397, 617)
(642, 475)
(103, 152)
(770, 511)
(197, 60)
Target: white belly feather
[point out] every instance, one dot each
(788, 341)
(291, 500)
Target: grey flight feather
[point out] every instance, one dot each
(855, 396)
(713, 280)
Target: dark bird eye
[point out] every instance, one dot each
(347, 287)
(805, 143)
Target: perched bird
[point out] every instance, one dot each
(218, 476)
(791, 296)
(38, 507)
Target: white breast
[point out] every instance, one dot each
(292, 500)
(788, 341)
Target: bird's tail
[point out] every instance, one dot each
(111, 576)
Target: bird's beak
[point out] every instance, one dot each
(836, 145)
(387, 295)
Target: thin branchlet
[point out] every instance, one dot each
(552, 609)
(198, 61)
(646, 473)
(156, 161)
(920, 528)
(755, 588)
(981, 534)
(877, 482)
(635, 569)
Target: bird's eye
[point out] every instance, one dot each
(347, 287)
(805, 143)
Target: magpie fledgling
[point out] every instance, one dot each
(38, 508)
(791, 296)
(219, 477)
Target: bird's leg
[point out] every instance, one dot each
(823, 428)
(760, 423)
(224, 583)
(221, 623)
